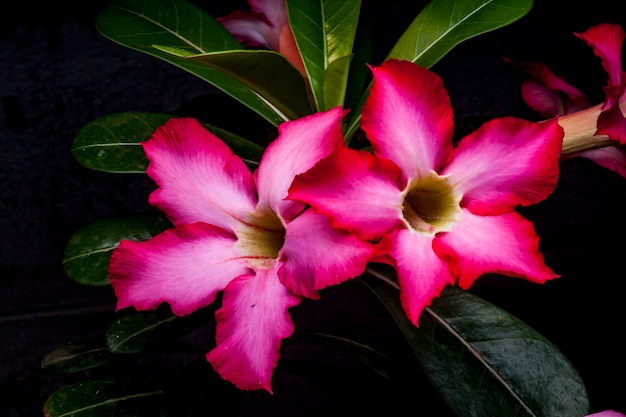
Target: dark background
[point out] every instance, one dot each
(57, 74)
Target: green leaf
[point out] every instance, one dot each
(140, 331)
(87, 253)
(74, 358)
(443, 24)
(179, 25)
(324, 31)
(112, 143)
(104, 398)
(484, 361)
(265, 72)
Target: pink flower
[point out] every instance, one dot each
(441, 213)
(607, 413)
(266, 25)
(595, 132)
(234, 232)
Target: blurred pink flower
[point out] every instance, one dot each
(596, 132)
(441, 213)
(234, 232)
(266, 25)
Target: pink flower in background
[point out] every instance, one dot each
(266, 25)
(584, 123)
(234, 232)
(441, 213)
(607, 413)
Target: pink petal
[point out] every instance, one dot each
(199, 177)
(300, 144)
(274, 10)
(607, 39)
(421, 274)
(355, 190)
(543, 100)
(505, 244)
(506, 162)
(316, 256)
(251, 30)
(185, 266)
(609, 157)
(607, 413)
(612, 123)
(251, 324)
(408, 117)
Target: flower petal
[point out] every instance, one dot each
(408, 117)
(505, 244)
(185, 266)
(506, 162)
(609, 157)
(300, 144)
(199, 177)
(355, 190)
(251, 30)
(251, 324)
(316, 256)
(422, 275)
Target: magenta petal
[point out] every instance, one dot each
(251, 324)
(408, 117)
(300, 144)
(612, 123)
(355, 190)
(316, 256)
(609, 157)
(185, 266)
(506, 162)
(422, 275)
(251, 30)
(199, 177)
(505, 244)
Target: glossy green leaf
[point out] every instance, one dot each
(443, 24)
(141, 24)
(324, 31)
(87, 253)
(112, 143)
(74, 358)
(140, 331)
(486, 362)
(104, 398)
(266, 72)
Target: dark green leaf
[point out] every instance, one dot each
(177, 24)
(443, 24)
(324, 31)
(266, 72)
(87, 254)
(74, 358)
(486, 362)
(103, 398)
(140, 331)
(112, 143)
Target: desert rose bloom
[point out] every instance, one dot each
(234, 232)
(596, 132)
(266, 25)
(442, 213)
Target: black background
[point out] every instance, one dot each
(57, 74)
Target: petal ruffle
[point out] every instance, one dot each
(408, 118)
(199, 177)
(357, 191)
(422, 275)
(185, 266)
(316, 256)
(251, 324)
(300, 144)
(505, 244)
(505, 163)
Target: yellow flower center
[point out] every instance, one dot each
(261, 239)
(430, 204)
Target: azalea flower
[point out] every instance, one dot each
(441, 214)
(596, 132)
(266, 25)
(234, 232)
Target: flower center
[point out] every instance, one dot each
(431, 205)
(261, 239)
